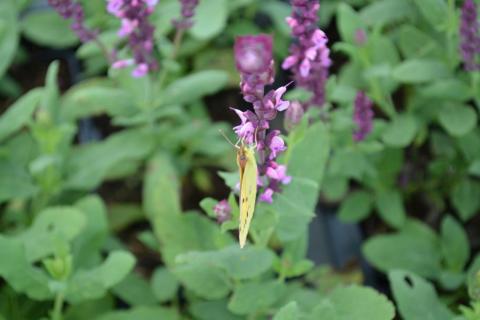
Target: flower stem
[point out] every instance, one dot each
(177, 41)
(57, 307)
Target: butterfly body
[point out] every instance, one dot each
(248, 189)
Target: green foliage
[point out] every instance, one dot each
(415, 247)
(47, 28)
(354, 303)
(9, 34)
(416, 298)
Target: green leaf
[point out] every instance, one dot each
(434, 11)
(239, 264)
(354, 302)
(473, 279)
(86, 248)
(308, 156)
(164, 285)
(386, 12)
(94, 283)
(142, 313)
(135, 291)
(90, 309)
(295, 207)
(390, 207)
(212, 310)
(457, 120)
(194, 86)
(253, 296)
(355, 207)
(94, 97)
(52, 225)
(306, 164)
(415, 248)
(208, 205)
(176, 233)
(209, 282)
(289, 311)
(19, 273)
(122, 215)
(48, 28)
(9, 34)
(127, 145)
(455, 246)
(416, 298)
(207, 25)
(448, 89)
(348, 22)
(162, 17)
(15, 181)
(401, 131)
(414, 43)
(277, 11)
(19, 113)
(465, 198)
(420, 71)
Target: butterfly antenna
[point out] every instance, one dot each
(255, 138)
(228, 140)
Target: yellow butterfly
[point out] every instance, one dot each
(247, 166)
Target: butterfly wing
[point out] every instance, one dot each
(248, 190)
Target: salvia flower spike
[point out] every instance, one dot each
(309, 58)
(254, 61)
(136, 27)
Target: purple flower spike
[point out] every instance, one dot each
(70, 9)
(223, 211)
(363, 116)
(309, 58)
(254, 61)
(135, 25)
(187, 12)
(469, 36)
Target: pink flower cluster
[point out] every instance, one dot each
(309, 58)
(254, 61)
(223, 211)
(135, 25)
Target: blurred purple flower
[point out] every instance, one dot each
(362, 116)
(187, 12)
(70, 9)
(293, 115)
(469, 36)
(135, 25)
(254, 61)
(360, 37)
(223, 211)
(309, 58)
